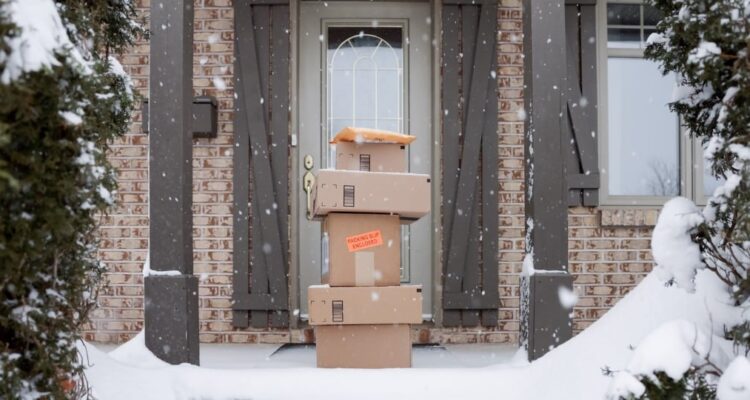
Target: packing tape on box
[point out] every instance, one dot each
(364, 268)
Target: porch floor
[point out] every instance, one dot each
(244, 356)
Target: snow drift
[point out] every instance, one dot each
(572, 371)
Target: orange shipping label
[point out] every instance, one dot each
(364, 241)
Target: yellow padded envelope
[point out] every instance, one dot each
(368, 135)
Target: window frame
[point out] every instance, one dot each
(690, 150)
(697, 166)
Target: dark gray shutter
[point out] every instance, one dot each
(582, 164)
(470, 156)
(261, 129)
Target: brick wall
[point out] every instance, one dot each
(609, 254)
(608, 247)
(511, 218)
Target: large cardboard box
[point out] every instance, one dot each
(363, 346)
(406, 195)
(361, 250)
(371, 157)
(364, 305)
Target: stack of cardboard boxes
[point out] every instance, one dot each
(361, 313)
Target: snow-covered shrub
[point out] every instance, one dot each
(62, 99)
(676, 255)
(705, 43)
(691, 385)
(675, 361)
(735, 382)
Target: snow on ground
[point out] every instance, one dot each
(572, 371)
(244, 356)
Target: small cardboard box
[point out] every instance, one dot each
(364, 305)
(406, 195)
(362, 250)
(370, 135)
(363, 346)
(371, 157)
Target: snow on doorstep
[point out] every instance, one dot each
(42, 34)
(571, 371)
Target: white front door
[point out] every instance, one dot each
(365, 64)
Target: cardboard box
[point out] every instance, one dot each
(361, 250)
(364, 305)
(370, 135)
(406, 195)
(363, 346)
(371, 157)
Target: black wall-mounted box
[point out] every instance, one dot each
(205, 110)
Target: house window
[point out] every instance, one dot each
(646, 156)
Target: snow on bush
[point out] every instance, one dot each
(40, 38)
(705, 45)
(672, 348)
(671, 363)
(676, 255)
(735, 383)
(62, 102)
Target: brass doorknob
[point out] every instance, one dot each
(308, 181)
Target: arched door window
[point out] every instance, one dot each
(365, 78)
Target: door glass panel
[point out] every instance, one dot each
(365, 88)
(365, 78)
